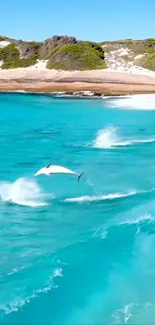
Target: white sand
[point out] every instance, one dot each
(116, 62)
(94, 76)
(41, 64)
(4, 43)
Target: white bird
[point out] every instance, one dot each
(52, 169)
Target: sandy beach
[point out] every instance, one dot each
(106, 82)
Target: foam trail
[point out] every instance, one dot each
(18, 303)
(108, 138)
(140, 102)
(88, 198)
(111, 196)
(22, 192)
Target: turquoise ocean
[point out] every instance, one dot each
(77, 253)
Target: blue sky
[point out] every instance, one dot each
(96, 20)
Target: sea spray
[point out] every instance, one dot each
(106, 138)
(110, 138)
(23, 192)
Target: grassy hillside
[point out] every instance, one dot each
(61, 52)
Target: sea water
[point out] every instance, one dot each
(77, 253)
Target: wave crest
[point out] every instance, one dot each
(22, 192)
(88, 198)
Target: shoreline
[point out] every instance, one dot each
(100, 89)
(100, 82)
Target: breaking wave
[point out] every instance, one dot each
(22, 192)
(108, 138)
(140, 102)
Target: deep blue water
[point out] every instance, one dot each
(77, 253)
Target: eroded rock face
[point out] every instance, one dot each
(61, 40)
(29, 49)
(26, 49)
(54, 42)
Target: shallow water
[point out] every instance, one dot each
(77, 253)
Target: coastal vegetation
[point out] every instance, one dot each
(142, 52)
(10, 55)
(82, 56)
(61, 52)
(67, 53)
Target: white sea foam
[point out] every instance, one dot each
(19, 302)
(57, 273)
(137, 220)
(109, 138)
(23, 192)
(140, 102)
(84, 93)
(88, 198)
(121, 316)
(110, 196)
(132, 312)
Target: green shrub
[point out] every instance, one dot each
(11, 57)
(18, 63)
(34, 48)
(147, 62)
(8, 52)
(11, 64)
(81, 56)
